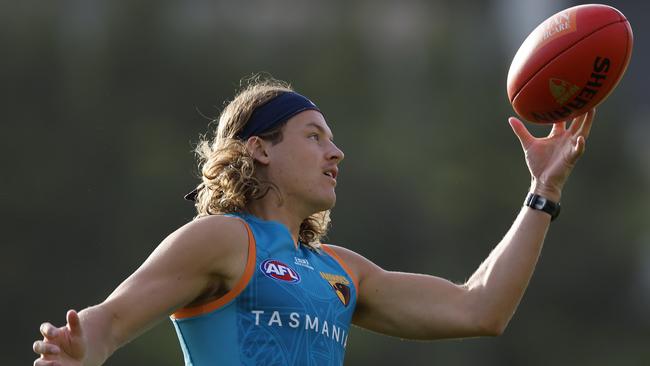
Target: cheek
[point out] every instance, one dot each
(296, 165)
(290, 170)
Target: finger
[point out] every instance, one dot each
(558, 128)
(578, 122)
(49, 331)
(74, 324)
(42, 362)
(44, 348)
(578, 149)
(525, 138)
(585, 128)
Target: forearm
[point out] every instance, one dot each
(498, 285)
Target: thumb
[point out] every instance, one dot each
(525, 138)
(74, 324)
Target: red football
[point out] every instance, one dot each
(569, 63)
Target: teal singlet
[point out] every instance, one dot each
(292, 306)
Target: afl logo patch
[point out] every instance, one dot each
(277, 270)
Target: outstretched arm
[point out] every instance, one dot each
(189, 263)
(427, 307)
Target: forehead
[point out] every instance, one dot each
(308, 119)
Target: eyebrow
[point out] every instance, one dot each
(319, 128)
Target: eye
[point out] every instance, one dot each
(314, 136)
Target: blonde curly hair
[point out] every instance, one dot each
(228, 181)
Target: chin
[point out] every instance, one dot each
(326, 203)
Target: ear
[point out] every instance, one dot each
(259, 149)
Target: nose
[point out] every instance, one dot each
(335, 153)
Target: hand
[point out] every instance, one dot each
(63, 346)
(551, 159)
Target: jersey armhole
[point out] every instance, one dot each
(208, 307)
(344, 265)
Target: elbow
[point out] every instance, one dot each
(493, 327)
(495, 331)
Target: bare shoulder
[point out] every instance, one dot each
(360, 265)
(212, 240)
(215, 229)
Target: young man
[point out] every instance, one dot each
(248, 282)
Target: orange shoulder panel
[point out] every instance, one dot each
(193, 311)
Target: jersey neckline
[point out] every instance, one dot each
(283, 227)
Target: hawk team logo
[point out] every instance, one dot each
(277, 270)
(562, 90)
(340, 285)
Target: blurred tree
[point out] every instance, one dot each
(102, 102)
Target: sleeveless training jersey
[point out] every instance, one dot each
(292, 306)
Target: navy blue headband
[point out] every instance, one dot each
(275, 111)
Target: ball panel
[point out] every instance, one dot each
(579, 78)
(629, 42)
(556, 34)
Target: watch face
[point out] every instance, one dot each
(540, 202)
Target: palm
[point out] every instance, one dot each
(551, 159)
(72, 347)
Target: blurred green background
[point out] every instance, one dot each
(102, 102)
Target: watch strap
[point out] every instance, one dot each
(541, 203)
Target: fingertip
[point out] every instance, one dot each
(46, 362)
(73, 321)
(45, 348)
(72, 316)
(48, 330)
(516, 125)
(520, 131)
(592, 114)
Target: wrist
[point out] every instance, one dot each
(547, 191)
(98, 343)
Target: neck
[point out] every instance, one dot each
(269, 207)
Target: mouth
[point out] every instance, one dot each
(332, 173)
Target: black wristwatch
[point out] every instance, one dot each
(538, 202)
